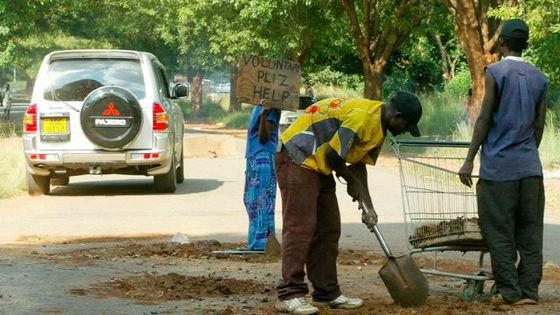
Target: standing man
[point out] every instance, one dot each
(260, 178)
(327, 136)
(510, 190)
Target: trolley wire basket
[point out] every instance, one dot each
(440, 213)
(438, 208)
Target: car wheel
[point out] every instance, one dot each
(167, 182)
(181, 168)
(111, 117)
(38, 185)
(60, 181)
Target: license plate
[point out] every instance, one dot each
(55, 125)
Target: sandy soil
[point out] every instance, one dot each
(158, 274)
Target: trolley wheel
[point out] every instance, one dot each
(479, 286)
(468, 291)
(493, 289)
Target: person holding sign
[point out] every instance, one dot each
(328, 136)
(260, 179)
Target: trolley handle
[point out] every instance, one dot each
(430, 143)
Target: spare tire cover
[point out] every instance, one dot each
(111, 117)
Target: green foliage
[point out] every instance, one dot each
(327, 91)
(12, 168)
(460, 84)
(441, 112)
(330, 77)
(209, 111)
(399, 80)
(238, 120)
(549, 149)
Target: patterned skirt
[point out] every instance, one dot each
(259, 198)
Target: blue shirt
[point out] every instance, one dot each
(509, 151)
(253, 143)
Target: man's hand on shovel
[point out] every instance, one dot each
(369, 216)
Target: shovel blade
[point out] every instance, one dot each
(404, 281)
(272, 247)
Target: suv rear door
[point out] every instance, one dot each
(69, 80)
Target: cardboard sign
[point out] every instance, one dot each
(276, 80)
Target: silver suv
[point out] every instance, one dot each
(103, 112)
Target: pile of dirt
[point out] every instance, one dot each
(196, 250)
(350, 257)
(172, 286)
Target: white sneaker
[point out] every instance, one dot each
(297, 305)
(342, 302)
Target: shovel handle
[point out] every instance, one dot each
(367, 211)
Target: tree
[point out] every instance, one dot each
(378, 28)
(478, 35)
(275, 29)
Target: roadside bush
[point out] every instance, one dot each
(460, 84)
(327, 91)
(209, 111)
(329, 77)
(549, 150)
(441, 112)
(12, 166)
(238, 120)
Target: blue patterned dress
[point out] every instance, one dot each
(260, 180)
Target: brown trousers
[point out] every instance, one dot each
(310, 233)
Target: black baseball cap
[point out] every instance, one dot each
(409, 106)
(515, 28)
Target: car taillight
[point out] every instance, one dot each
(161, 119)
(30, 119)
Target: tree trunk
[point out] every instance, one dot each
(478, 36)
(196, 95)
(376, 44)
(372, 82)
(447, 66)
(234, 104)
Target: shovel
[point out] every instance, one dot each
(403, 279)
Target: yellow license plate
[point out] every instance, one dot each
(55, 125)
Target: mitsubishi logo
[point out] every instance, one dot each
(111, 110)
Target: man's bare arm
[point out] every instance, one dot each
(481, 127)
(338, 164)
(540, 119)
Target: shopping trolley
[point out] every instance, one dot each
(440, 213)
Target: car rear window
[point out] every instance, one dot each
(74, 79)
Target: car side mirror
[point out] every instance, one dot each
(180, 90)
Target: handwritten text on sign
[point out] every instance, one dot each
(276, 80)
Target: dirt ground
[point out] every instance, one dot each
(171, 278)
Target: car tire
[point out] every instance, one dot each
(167, 183)
(60, 181)
(111, 117)
(181, 168)
(38, 185)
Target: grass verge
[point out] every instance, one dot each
(12, 171)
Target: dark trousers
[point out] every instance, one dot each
(511, 219)
(310, 232)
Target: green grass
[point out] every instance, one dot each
(12, 171)
(238, 120)
(441, 113)
(549, 149)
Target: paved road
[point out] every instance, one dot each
(208, 205)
